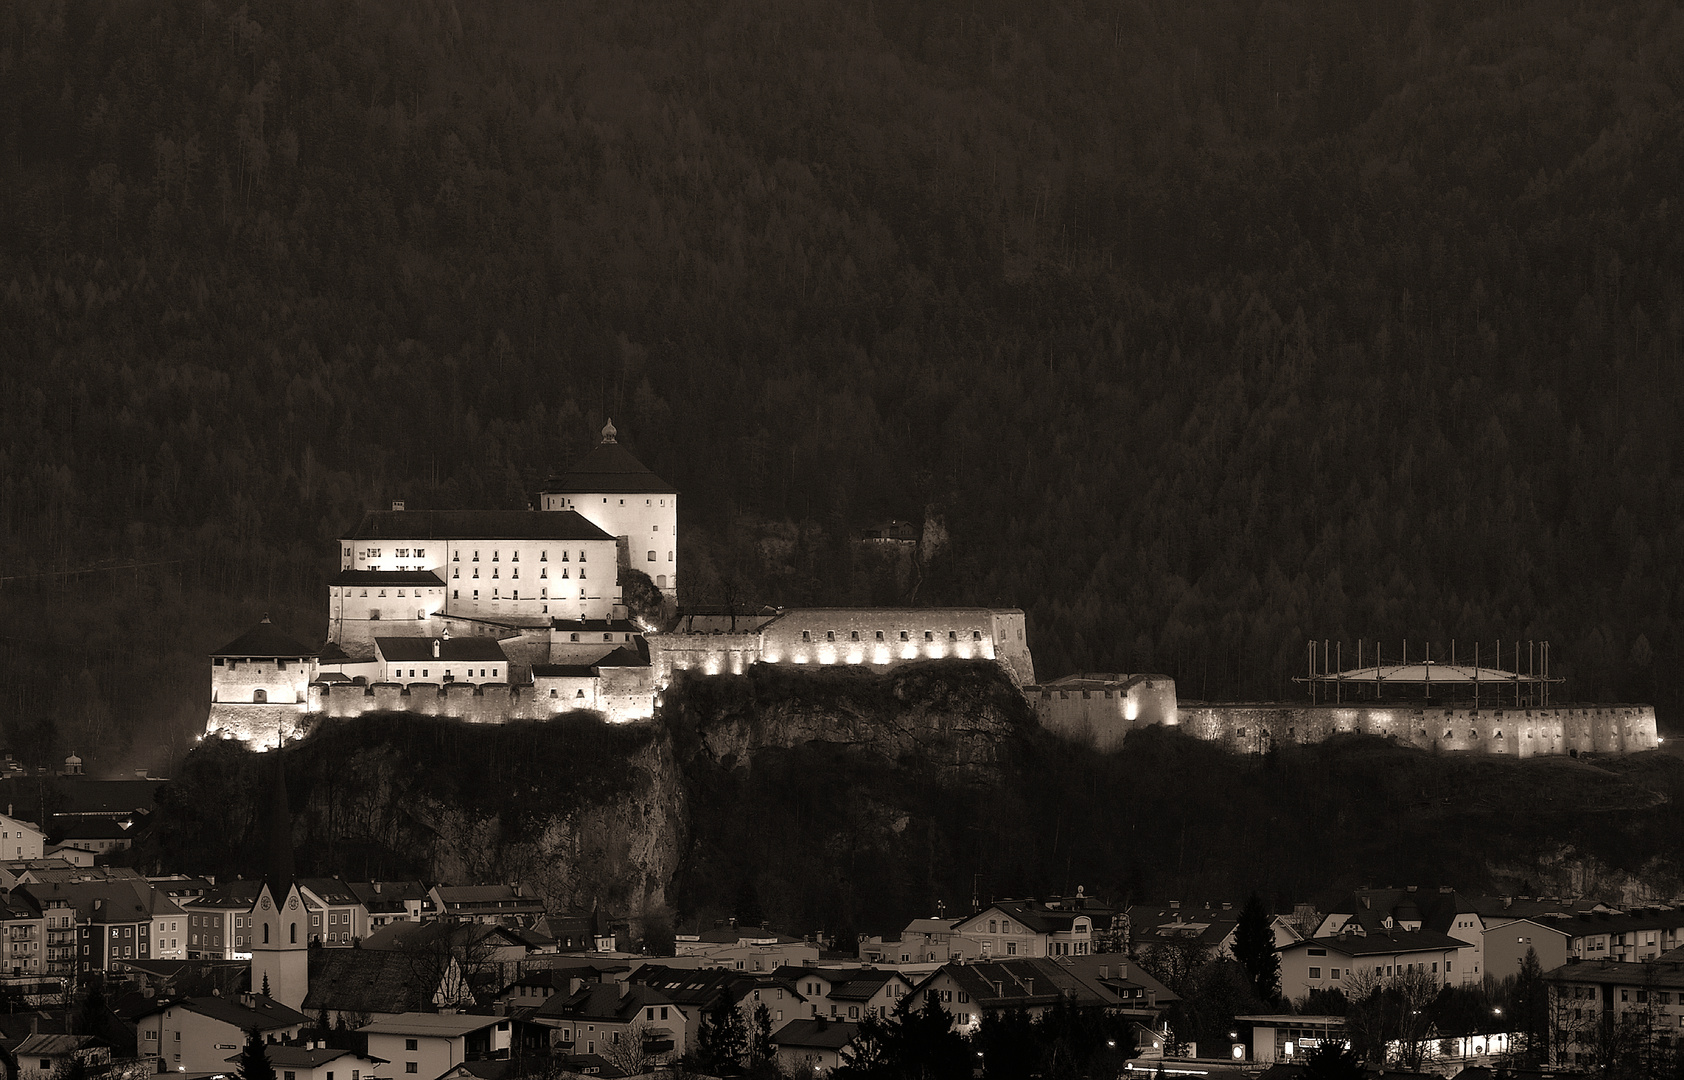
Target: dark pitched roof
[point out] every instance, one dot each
(610, 469)
(265, 639)
(369, 981)
(281, 1055)
(604, 1001)
(386, 577)
(46, 1045)
(387, 897)
(563, 671)
(1384, 942)
(1002, 984)
(329, 889)
(816, 1034)
(623, 657)
(411, 649)
(264, 1014)
(474, 525)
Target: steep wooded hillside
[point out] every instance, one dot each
(1194, 327)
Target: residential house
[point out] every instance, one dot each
(343, 918)
(42, 1057)
(506, 905)
(1637, 934)
(20, 839)
(1212, 925)
(698, 991)
(393, 901)
(1353, 957)
(1056, 926)
(197, 1034)
(23, 931)
(488, 955)
(1443, 910)
(747, 948)
(116, 918)
(426, 1045)
(537, 986)
(219, 923)
(1141, 997)
(603, 1016)
(361, 985)
(314, 1060)
(1033, 984)
(924, 941)
(1506, 943)
(577, 933)
(813, 1046)
(1597, 1004)
(846, 993)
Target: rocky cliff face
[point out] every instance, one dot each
(582, 812)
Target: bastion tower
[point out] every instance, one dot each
(618, 494)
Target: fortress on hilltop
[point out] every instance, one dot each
(492, 616)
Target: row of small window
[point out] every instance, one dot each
(1385, 970)
(397, 673)
(652, 556)
(399, 553)
(543, 594)
(514, 556)
(605, 637)
(514, 575)
(854, 635)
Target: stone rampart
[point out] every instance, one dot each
(1102, 712)
(1516, 732)
(261, 727)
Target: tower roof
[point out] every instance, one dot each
(610, 469)
(265, 639)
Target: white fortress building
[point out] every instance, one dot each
(613, 491)
(498, 615)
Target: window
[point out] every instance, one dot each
(410, 1067)
(806, 635)
(855, 636)
(976, 635)
(1011, 948)
(928, 636)
(903, 635)
(830, 635)
(879, 635)
(411, 1044)
(1333, 973)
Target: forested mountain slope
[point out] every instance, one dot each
(1201, 327)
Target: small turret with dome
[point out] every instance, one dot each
(616, 492)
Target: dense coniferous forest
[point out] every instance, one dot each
(1193, 328)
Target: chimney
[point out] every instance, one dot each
(573, 985)
(1175, 905)
(625, 988)
(377, 887)
(397, 504)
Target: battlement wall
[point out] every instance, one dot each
(1517, 732)
(621, 697)
(1103, 714)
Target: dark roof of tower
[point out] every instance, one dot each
(610, 469)
(474, 525)
(265, 639)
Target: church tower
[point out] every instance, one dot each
(280, 919)
(618, 494)
(280, 944)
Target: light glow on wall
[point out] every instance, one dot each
(1131, 709)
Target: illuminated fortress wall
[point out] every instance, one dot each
(1517, 732)
(1102, 710)
(867, 637)
(621, 696)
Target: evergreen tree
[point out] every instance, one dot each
(254, 1059)
(1254, 948)
(1530, 1002)
(1332, 1061)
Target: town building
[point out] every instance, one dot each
(1355, 958)
(315, 1060)
(426, 1045)
(1033, 984)
(20, 839)
(747, 948)
(1603, 1010)
(198, 1034)
(813, 1046)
